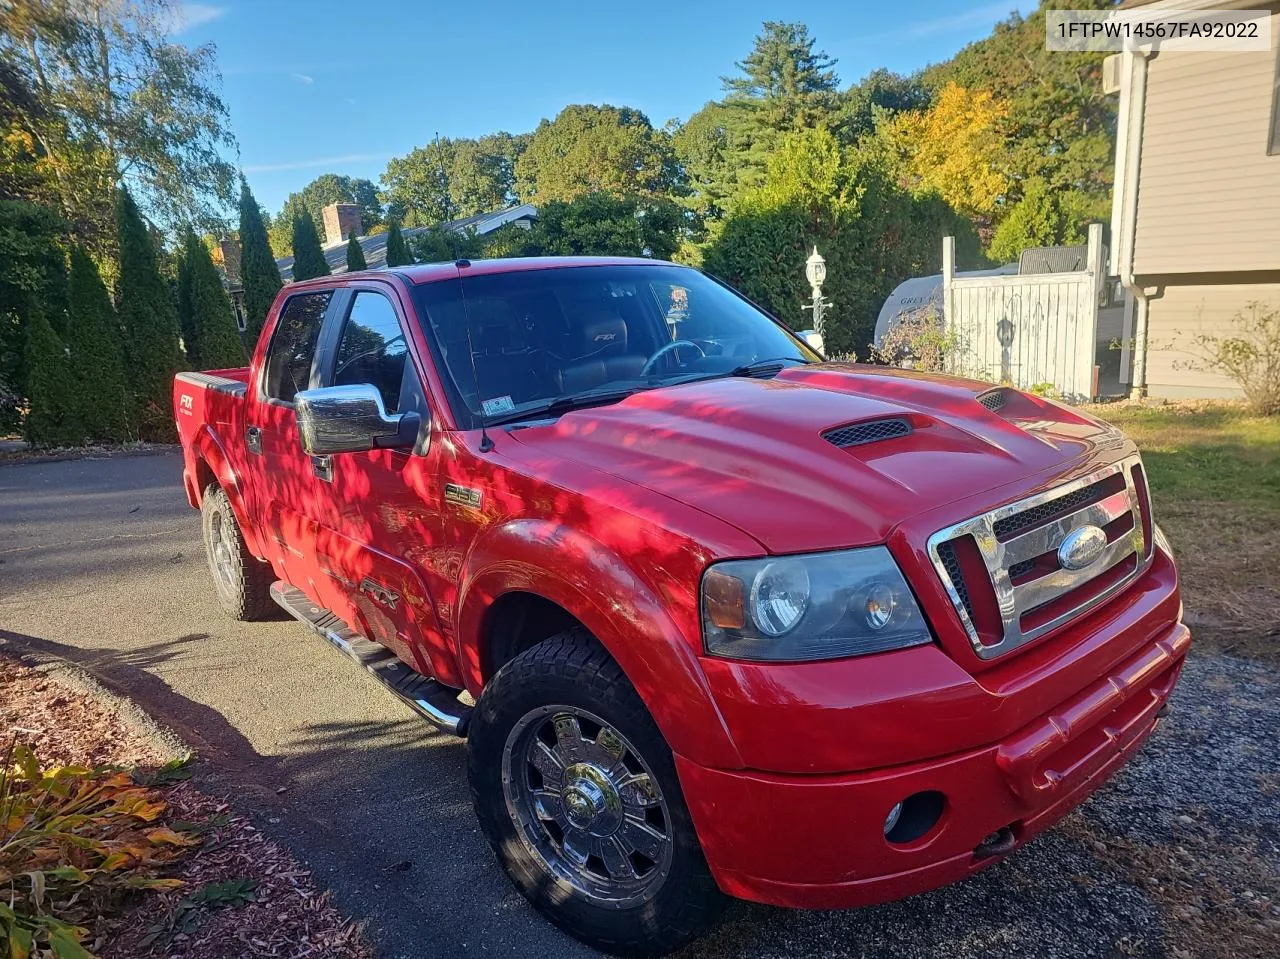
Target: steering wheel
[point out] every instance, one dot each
(652, 361)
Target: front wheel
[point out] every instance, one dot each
(577, 793)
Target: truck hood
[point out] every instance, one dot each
(752, 452)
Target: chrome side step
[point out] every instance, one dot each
(435, 703)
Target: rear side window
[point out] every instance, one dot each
(373, 348)
(293, 345)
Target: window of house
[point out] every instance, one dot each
(373, 348)
(293, 345)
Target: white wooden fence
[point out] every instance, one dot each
(1027, 330)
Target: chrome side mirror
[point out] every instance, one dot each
(814, 339)
(350, 419)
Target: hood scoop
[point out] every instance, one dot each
(994, 400)
(868, 431)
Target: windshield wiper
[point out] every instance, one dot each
(757, 367)
(565, 404)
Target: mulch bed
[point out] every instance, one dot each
(244, 895)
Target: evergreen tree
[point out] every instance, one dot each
(784, 85)
(355, 255)
(150, 324)
(308, 255)
(102, 399)
(186, 309)
(397, 250)
(782, 65)
(51, 417)
(258, 271)
(32, 268)
(213, 323)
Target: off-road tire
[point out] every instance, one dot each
(572, 669)
(245, 594)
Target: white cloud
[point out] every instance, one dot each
(979, 16)
(983, 16)
(189, 15)
(303, 78)
(317, 162)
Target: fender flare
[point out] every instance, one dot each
(206, 447)
(598, 587)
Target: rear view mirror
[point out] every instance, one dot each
(350, 419)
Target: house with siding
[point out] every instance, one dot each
(1195, 222)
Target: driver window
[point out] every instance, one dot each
(373, 348)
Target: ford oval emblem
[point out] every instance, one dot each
(1082, 547)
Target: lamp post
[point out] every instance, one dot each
(815, 271)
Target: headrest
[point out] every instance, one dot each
(603, 331)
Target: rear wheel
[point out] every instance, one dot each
(577, 793)
(241, 581)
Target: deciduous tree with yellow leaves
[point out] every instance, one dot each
(952, 149)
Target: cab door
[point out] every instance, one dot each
(287, 493)
(381, 509)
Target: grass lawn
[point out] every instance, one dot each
(1215, 480)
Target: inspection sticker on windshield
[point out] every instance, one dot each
(498, 405)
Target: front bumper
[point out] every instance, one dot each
(817, 840)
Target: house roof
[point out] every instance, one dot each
(375, 247)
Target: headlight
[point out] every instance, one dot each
(816, 606)
(1161, 540)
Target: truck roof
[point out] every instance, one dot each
(433, 272)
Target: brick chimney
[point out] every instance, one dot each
(339, 220)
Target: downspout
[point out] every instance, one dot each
(1135, 101)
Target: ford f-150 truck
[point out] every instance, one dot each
(715, 617)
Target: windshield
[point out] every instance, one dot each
(527, 339)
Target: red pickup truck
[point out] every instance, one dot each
(714, 616)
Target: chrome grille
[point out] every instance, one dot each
(947, 552)
(1011, 540)
(855, 434)
(1038, 515)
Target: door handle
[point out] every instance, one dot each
(322, 467)
(253, 440)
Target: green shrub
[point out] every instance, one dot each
(355, 255)
(397, 250)
(258, 270)
(921, 340)
(1250, 355)
(149, 322)
(102, 403)
(214, 342)
(308, 254)
(50, 419)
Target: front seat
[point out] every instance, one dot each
(602, 355)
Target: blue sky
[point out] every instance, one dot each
(321, 86)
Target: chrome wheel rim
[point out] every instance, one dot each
(222, 552)
(587, 805)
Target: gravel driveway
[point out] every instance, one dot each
(100, 563)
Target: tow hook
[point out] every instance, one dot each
(999, 843)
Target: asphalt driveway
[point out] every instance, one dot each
(101, 563)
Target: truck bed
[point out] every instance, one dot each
(233, 381)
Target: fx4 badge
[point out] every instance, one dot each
(379, 593)
(462, 495)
